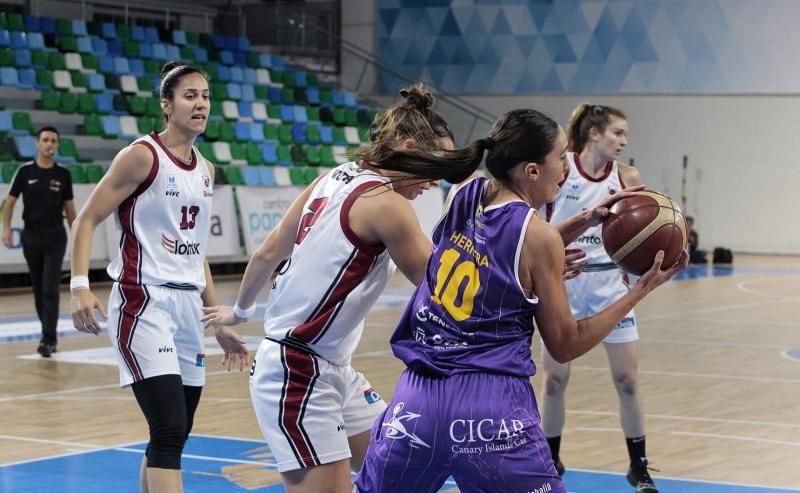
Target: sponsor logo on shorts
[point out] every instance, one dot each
(396, 427)
(371, 396)
(177, 247)
(341, 427)
(625, 323)
(201, 359)
(166, 349)
(478, 436)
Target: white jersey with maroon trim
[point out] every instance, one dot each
(580, 191)
(319, 301)
(164, 224)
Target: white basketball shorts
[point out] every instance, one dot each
(591, 292)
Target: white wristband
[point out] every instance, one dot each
(78, 282)
(243, 314)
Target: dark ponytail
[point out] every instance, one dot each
(519, 136)
(584, 118)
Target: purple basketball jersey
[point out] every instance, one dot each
(470, 313)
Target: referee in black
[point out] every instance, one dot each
(46, 190)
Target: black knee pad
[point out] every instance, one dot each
(162, 401)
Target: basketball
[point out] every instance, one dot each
(637, 227)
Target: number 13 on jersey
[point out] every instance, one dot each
(450, 278)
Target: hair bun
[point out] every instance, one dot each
(169, 66)
(417, 96)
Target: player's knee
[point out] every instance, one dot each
(556, 382)
(166, 444)
(627, 384)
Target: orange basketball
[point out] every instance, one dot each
(637, 227)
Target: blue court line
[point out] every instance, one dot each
(213, 464)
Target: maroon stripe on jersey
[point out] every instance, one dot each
(606, 171)
(300, 372)
(621, 181)
(353, 272)
(178, 162)
(344, 218)
(134, 300)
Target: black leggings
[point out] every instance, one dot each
(169, 408)
(44, 254)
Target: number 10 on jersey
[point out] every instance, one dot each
(449, 279)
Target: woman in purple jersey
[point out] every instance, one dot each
(465, 406)
(596, 137)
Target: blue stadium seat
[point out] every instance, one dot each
(287, 112)
(201, 55)
(5, 38)
(223, 73)
(114, 47)
(137, 33)
(250, 75)
(237, 75)
(19, 39)
(47, 25)
(137, 66)
(300, 114)
(179, 37)
(151, 35)
(6, 124)
(105, 64)
(264, 60)
(239, 58)
(248, 92)
(245, 109)
(32, 23)
(226, 57)
(234, 91)
(145, 50)
(36, 41)
(251, 176)
(64, 159)
(159, 51)
(278, 62)
(22, 57)
(9, 76)
(326, 134)
(274, 93)
(26, 78)
(26, 146)
(110, 125)
(121, 66)
(104, 103)
(108, 30)
(300, 79)
(299, 132)
(79, 27)
(269, 150)
(231, 43)
(313, 95)
(218, 41)
(97, 82)
(338, 98)
(241, 131)
(244, 43)
(267, 176)
(173, 52)
(350, 99)
(84, 44)
(99, 46)
(256, 132)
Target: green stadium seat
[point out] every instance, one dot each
(44, 78)
(86, 104)
(285, 134)
(234, 175)
(298, 155)
(67, 44)
(39, 58)
(15, 22)
(6, 57)
(79, 79)
(78, 173)
(192, 38)
(274, 111)
(89, 61)
(238, 151)
(153, 107)
(56, 61)
(271, 132)
(212, 130)
(94, 173)
(254, 156)
(152, 67)
(226, 131)
(326, 157)
(92, 125)
(313, 113)
(313, 155)
(298, 175)
(22, 121)
(207, 151)
(262, 93)
(145, 125)
(69, 103)
(63, 26)
(137, 105)
(51, 100)
(284, 154)
(311, 174)
(8, 171)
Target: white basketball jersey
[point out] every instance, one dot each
(320, 299)
(580, 191)
(164, 224)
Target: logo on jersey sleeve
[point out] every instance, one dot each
(371, 396)
(177, 247)
(201, 359)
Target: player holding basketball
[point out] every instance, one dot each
(465, 405)
(597, 135)
(161, 189)
(341, 233)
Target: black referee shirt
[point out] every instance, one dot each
(44, 191)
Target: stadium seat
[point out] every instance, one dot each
(110, 126)
(254, 154)
(256, 132)
(269, 153)
(78, 173)
(282, 178)
(230, 110)
(21, 122)
(9, 77)
(267, 175)
(234, 175)
(68, 103)
(94, 173)
(241, 131)
(259, 111)
(251, 176)
(222, 152)
(245, 111)
(25, 147)
(86, 104)
(128, 127)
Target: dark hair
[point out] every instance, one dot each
(519, 136)
(584, 118)
(47, 129)
(171, 75)
(409, 118)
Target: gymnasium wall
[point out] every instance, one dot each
(710, 79)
